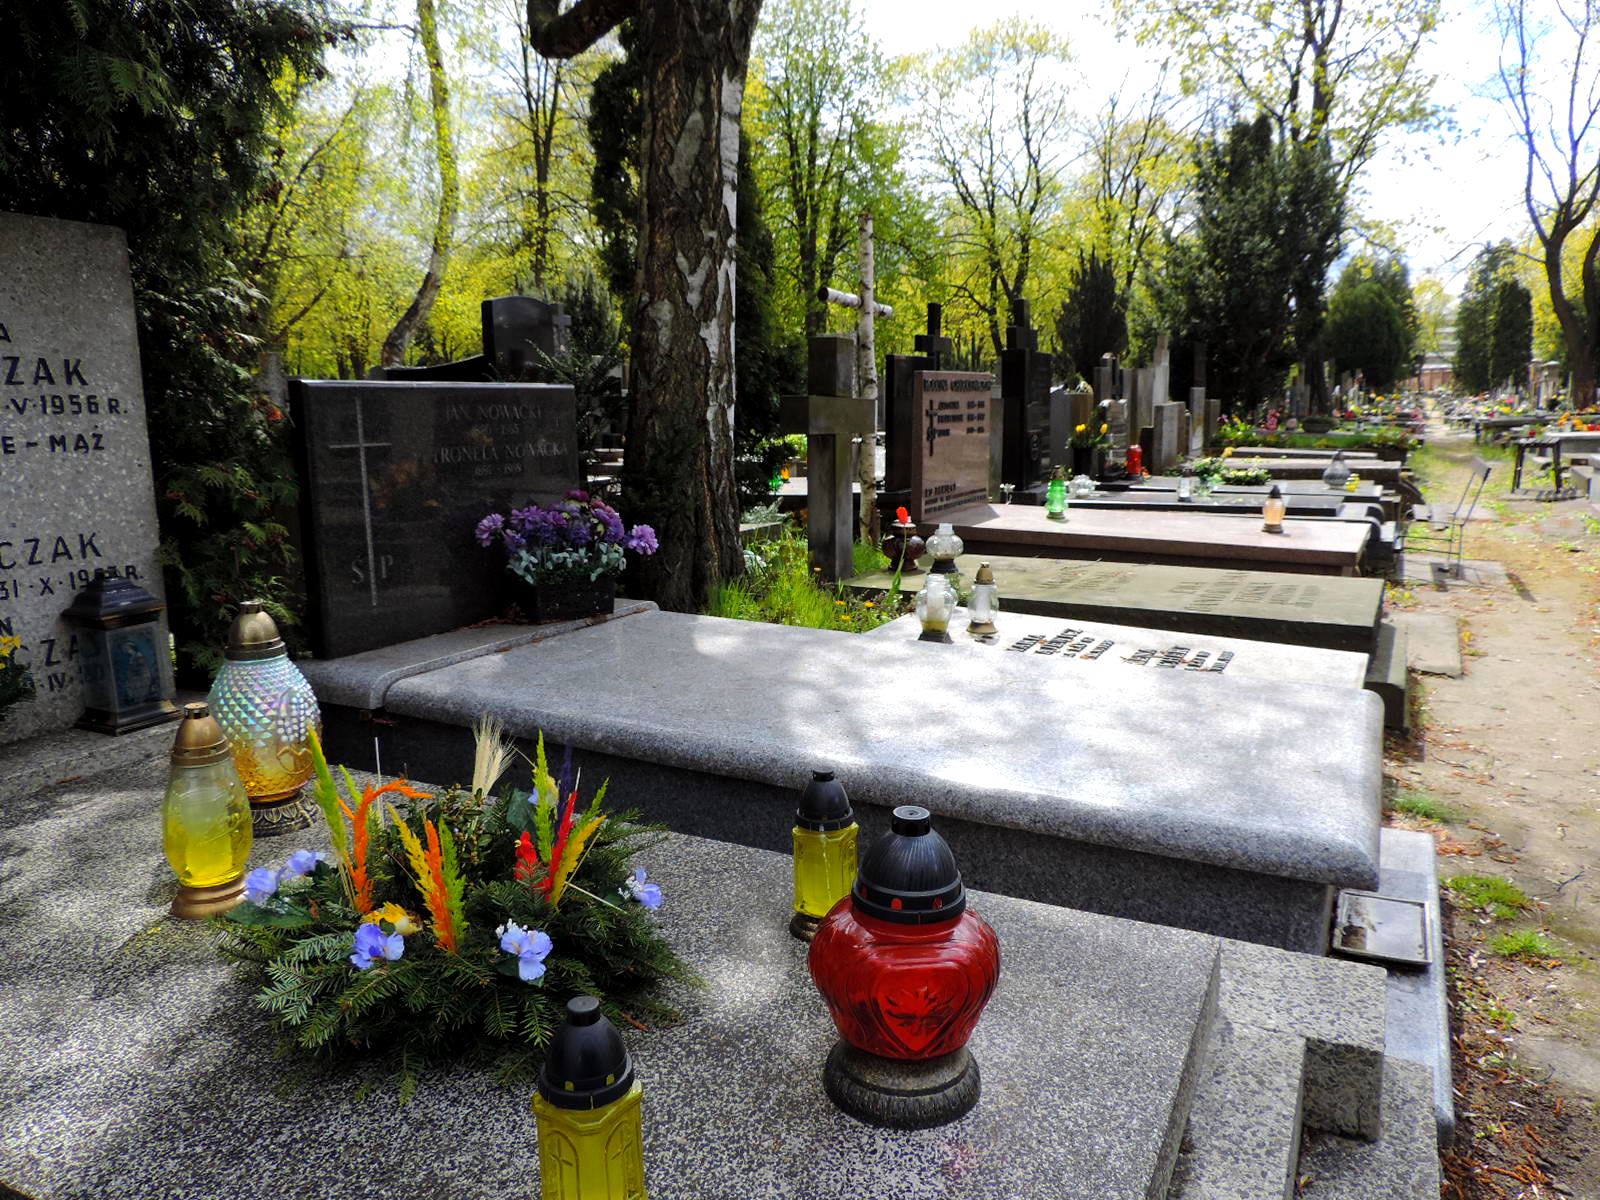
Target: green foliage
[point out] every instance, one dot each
(153, 117)
(1424, 806)
(1492, 271)
(590, 366)
(781, 587)
(1499, 897)
(616, 127)
(1214, 471)
(1512, 347)
(1093, 319)
(434, 1004)
(1267, 220)
(1530, 944)
(1372, 322)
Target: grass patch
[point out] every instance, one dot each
(1531, 944)
(780, 587)
(1420, 804)
(1500, 897)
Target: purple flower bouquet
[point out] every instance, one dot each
(579, 540)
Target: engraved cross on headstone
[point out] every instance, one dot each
(361, 446)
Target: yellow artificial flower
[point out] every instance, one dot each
(1227, 452)
(8, 646)
(869, 604)
(1104, 428)
(402, 921)
(1081, 428)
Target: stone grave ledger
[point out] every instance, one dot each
(75, 472)
(394, 478)
(1120, 1061)
(953, 415)
(712, 724)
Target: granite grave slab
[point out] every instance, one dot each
(1176, 538)
(136, 1067)
(74, 447)
(710, 721)
(1058, 644)
(394, 477)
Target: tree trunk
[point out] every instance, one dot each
(416, 314)
(679, 466)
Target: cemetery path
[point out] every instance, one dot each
(1505, 760)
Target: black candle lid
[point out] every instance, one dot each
(909, 876)
(824, 805)
(587, 1066)
(1276, 493)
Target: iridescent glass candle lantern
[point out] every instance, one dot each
(825, 832)
(985, 602)
(124, 656)
(268, 710)
(936, 604)
(1272, 511)
(205, 818)
(1338, 471)
(588, 1112)
(1055, 497)
(906, 972)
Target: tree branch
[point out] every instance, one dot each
(557, 34)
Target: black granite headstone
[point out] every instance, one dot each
(395, 476)
(517, 329)
(1025, 398)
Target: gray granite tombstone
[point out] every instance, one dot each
(394, 476)
(74, 449)
(1213, 419)
(1142, 401)
(1197, 440)
(950, 467)
(1167, 440)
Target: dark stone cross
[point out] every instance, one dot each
(932, 345)
(1025, 376)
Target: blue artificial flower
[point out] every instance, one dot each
(301, 862)
(488, 527)
(531, 946)
(647, 894)
(372, 944)
(260, 885)
(642, 540)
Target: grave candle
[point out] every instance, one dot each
(587, 1112)
(205, 818)
(825, 833)
(1272, 511)
(1055, 497)
(985, 602)
(936, 604)
(906, 971)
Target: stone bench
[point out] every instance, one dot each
(1119, 1061)
(1071, 789)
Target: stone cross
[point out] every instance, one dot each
(867, 311)
(361, 446)
(932, 345)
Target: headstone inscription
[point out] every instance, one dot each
(950, 469)
(899, 406)
(394, 477)
(1114, 415)
(74, 449)
(1025, 397)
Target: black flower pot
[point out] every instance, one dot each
(1086, 461)
(565, 601)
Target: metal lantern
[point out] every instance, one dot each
(587, 1112)
(1055, 497)
(1338, 471)
(205, 818)
(825, 833)
(936, 604)
(1272, 511)
(985, 602)
(124, 655)
(268, 710)
(906, 970)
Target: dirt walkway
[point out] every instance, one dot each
(1504, 768)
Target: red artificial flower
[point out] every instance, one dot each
(901, 515)
(527, 858)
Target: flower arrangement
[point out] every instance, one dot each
(579, 539)
(16, 680)
(464, 923)
(1214, 471)
(1086, 437)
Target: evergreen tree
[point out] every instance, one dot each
(1511, 346)
(1475, 317)
(153, 117)
(1372, 322)
(1093, 319)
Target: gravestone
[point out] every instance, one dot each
(1114, 413)
(1025, 399)
(1166, 440)
(1213, 420)
(1141, 406)
(74, 448)
(830, 415)
(1198, 439)
(394, 477)
(950, 465)
(517, 329)
(899, 403)
(1068, 410)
